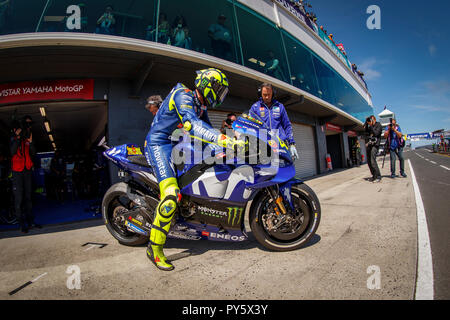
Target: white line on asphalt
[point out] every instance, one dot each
(39, 277)
(424, 281)
(444, 167)
(433, 162)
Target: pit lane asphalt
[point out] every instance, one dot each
(432, 172)
(363, 225)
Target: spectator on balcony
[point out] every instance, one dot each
(330, 36)
(220, 37)
(163, 30)
(180, 33)
(273, 67)
(105, 24)
(354, 67)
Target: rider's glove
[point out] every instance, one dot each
(230, 143)
(293, 151)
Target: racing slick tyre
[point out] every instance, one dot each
(296, 230)
(116, 202)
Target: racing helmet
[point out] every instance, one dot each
(213, 86)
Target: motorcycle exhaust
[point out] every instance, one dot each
(133, 228)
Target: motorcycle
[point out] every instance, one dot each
(284, 213)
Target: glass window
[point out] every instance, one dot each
(18, 16)
(201, 25)
(129, 19)
(326, 78)
(303, 75)
(262, 46)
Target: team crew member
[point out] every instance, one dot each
(153, 103)
(273, 113)
(182, 108)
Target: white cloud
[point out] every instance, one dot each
(432, 108)
(367, 66)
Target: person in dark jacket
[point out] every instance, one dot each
(373, 130)
(22, 152)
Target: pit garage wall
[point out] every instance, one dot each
(129, 122)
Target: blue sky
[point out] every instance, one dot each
(406, 63)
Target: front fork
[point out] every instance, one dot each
(281, 194)
(274, 193)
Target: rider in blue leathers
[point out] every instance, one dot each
(186, 109)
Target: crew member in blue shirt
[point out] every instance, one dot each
(273, 113)
(393, 134)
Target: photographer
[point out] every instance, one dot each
(395, 142)
(373, 130)
(105, 24)
(22, 152)
(228, 122)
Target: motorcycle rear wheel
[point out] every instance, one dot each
(115, 200)
(306, 206)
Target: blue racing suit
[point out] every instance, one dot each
(178, 107)
(275, 117)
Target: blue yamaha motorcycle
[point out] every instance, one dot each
(284, 213)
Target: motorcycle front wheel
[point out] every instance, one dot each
(292, 231)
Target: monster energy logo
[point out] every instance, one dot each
(233, 213)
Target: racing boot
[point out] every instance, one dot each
(170, 195)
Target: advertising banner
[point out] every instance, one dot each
(288, 6)
(417, 136)
(333, 127)
(82, 89)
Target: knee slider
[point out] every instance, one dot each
(167, 206)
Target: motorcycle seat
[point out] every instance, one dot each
(140, 160)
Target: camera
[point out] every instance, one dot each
(24, 125)
(229, 122)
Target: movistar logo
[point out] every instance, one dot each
(234, 215)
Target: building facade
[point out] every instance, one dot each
(91, 65)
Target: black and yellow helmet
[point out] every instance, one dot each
(213, 85)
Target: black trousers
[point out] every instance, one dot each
(22, 196)
(372, 161)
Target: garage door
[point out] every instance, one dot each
(216, 118)
(306, 166)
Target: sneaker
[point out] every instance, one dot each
(24, 229)
(35, 225)
(393, 175)
(377, 180)
(403, 174)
